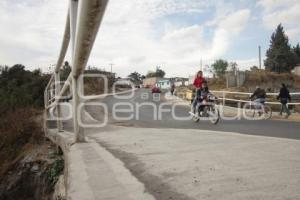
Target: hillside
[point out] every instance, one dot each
(268, 80)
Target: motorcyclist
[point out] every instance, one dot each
(202, 94)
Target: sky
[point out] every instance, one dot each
(138, 35)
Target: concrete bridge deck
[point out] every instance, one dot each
(138, 163)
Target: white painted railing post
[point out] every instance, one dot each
(58, 109)
(78, 131)
(224, 98)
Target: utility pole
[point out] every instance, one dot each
(111, 65)
(259, 56)
(201, 64)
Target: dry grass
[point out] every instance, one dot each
(18, 131)
(268, 80)
(271, 81)
(217, 83)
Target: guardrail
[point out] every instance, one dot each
(83, 21)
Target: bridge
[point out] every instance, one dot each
(129, 145)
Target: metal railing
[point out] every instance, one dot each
(247, 94)
(222, 96)
(82, 25)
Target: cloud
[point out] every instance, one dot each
(128, 36)
(128, 32)
(227, 30)
(285, 12)
(31, 31)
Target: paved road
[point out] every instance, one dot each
(144, 117)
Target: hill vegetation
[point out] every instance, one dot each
(22, 144)
(21, 99)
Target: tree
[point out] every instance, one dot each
(20, 88)
(158, 73)
(296, 51)
(280, 57)
(135, 77)
(220, 67)
(65, 71)
(254, 68)
(233, 66)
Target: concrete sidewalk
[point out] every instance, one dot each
(92, 173)
(137, 163)
(95, 174)
(195, 164)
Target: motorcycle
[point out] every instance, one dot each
(206, 109)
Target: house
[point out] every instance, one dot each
(164, 83)
(179, 81)
(124, 81)
(150, 82)
(296, 70)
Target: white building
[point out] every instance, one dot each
(124, 81)
(296, 70)
(164, 84)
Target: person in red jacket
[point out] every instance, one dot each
(199, 79)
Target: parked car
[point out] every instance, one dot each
(156, 90)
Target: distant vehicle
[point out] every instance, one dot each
(137, 86)
(156, 90)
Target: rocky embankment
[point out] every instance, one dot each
(35, 175)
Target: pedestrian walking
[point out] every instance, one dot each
(172, 88)
(284, 96)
